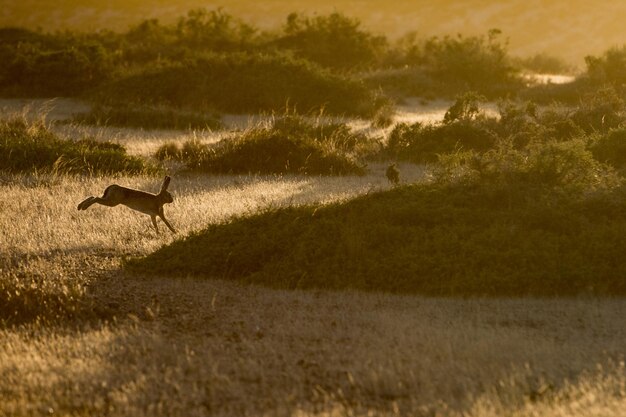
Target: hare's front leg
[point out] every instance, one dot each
(154, 223)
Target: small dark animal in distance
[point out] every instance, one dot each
(393, 175)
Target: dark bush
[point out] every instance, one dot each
(543, 63)
(333, 41)
(611, 148)
(243, 83)
(568, 167)
(600, 111)
(449, 66)
(610, 68)
(51, 65)
(464, 127)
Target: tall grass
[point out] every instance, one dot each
(286, 144)
(31, 146)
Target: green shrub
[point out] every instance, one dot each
(464, 127)
(607, 71)
(522, 124)
(241, 83)
(408, 82)
(568, 167)
(168, 151)
(543, 63)
(567, 93)
(26, 146)
(332, 41)
(600, 111)
(611, 148)
(475, 61)
(430, 239)
(449, 66)
(51, 65)
(609, 68)
(214, 30)
(148, 118)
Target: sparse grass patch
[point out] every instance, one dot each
(148, 118)
(28, 146)
(39, 290)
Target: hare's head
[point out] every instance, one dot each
(164, 195)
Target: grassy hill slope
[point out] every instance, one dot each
(426, 239)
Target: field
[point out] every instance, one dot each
(128, 344)
(362, 223)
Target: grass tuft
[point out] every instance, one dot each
(31, 146)
(288, 144)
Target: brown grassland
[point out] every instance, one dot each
(156, 346)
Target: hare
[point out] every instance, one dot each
(151, 204)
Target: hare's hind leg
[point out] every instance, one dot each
(85, 204)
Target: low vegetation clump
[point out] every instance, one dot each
(467, 128)
(332, 41)
(543, 63)
(32, 146)
(47, 65)
(544, 223)
(611, 148)
(605, 71)
(566, 168)
(148, 118)
(464, 127)
(448, 66)
(287, 144)
(610, 68)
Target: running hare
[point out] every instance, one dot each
(151, 204)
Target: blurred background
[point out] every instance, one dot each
(569, 29)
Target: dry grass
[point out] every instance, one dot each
(214, 348)
(156, 346)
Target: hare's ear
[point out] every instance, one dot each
(166, 182)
